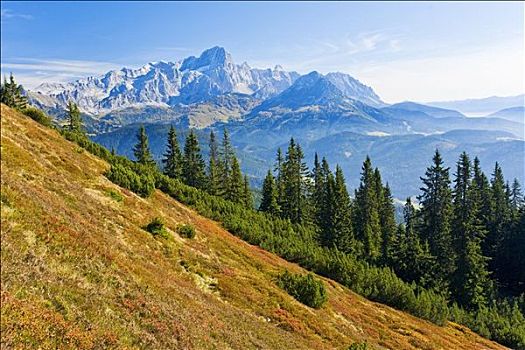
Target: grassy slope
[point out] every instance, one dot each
(79, 272)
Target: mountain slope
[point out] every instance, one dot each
(78, 272)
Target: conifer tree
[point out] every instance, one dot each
(75, 123)
(141, 150)
(193, 164)
(278, 169)
(366, 215)
(235, 191)
(247, 193)
(516, 196)
(12, 94)
(173, 157)
(413, 261)
(269, 202)
(387, 221)
(295, 186)
(482, 185)
(499, 218)
(321, 195)
(226, 156)
(436, 213)
(343, 236)
(214, 183)
(472, 284)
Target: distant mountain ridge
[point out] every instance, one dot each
(482, 106)
(191, 80)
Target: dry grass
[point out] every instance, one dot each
(78, 272)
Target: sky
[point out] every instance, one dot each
(418, 51)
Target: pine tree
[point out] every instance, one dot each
(295, 185)
(75, 123)
(499, 218)
(193, 164)
(173, 157)
(436, 214)
(225, 170)
(413, 261)
(366, 215)
(141, 150)
(247, 193)
(235, 191)
(278, 169)
(214, 183)
(516, 196)
(343, 235)
(12, 94)
(322, 193)
(269, 202)
(387, 221)
(472, 284)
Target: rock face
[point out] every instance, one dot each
(192, 80)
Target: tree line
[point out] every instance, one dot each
(222, 175)
(465, 238)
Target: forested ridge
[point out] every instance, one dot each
(459, 255)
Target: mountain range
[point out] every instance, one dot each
(333, 114)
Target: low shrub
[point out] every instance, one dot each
(359, 346)
(156, 228)
(186, 231)
(305, 288)
(115, 195)
(38, 116)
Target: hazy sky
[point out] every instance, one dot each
(405, 51)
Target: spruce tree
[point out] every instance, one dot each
(366, 215)
(387, 221)
(247, 193)
(141, 150)
(173, 157)
(225, 170)
(516, 196)
(278, 169)
(499, 219)
(12, 94)
(214, 183)
(321, 196)
(341, 220)
(269, 202)
(436, 215)
(193, 164)
(471, 281)
(235, 191)
(295, 185)
(74, 118)
(413, 261)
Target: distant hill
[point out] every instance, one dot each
(515, 114)
(482, 106)
(432, 111)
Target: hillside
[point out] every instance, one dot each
(78, 272)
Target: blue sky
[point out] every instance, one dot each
(405, 51)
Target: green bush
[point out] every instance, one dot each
(305, 288)
(38, 116)
(186, 231)
(156, 228)
(115, 195)
(359, 346)
(142, 184)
